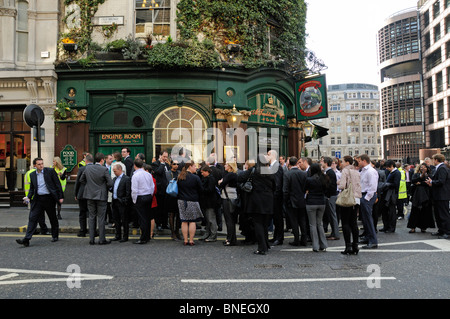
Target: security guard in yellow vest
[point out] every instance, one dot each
(27, 183)
(61, 172)
(402, 193)
(83, 161)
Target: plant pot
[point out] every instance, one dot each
(70, 47)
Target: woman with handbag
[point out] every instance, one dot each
(228, 185)
(350, 187)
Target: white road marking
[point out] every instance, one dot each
(442, 245)
(8, 276)
(295, 280)
(65, 275)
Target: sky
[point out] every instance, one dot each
(343, 34)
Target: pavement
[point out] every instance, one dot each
(15, 219)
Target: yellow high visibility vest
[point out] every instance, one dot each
(81, 163)
(27, 183)
(62, 181)
(402, 194)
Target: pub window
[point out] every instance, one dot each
(153, 17)
(180, 126)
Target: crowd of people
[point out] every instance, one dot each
(270, 192)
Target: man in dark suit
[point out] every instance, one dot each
(331, 193)
(45, 192)
(294, 181)
(121, 198)
(440, 195)
(82, 202)
(217, 172)
(278, 221)
(160, 169)
(97, 182)
(127, 160)
(390, 196)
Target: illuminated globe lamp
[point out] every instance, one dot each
(234, 119)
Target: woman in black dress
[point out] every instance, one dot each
(421, 212)
(259, 203)
(189, 190)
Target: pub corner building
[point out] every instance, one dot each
(100, 101)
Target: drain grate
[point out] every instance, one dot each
(305, 265)
(266, 266)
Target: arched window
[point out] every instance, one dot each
(180, 127)
(22, 31)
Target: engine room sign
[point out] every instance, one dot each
(121, 139)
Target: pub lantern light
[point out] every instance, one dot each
(235, 118)
(307, 130)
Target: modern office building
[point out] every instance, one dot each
(435, 35)
(353, 122)
(401, 86)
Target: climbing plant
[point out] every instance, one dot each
(82, 32)
(250, 24)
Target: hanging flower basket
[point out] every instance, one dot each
(69, 45)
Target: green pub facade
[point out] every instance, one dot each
(151, 111)
(178, 90)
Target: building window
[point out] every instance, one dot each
(439, 82)
(153, 17)
(22, 31)
(440, 110)
(437, 33)
(436, 9)
(426, 18)
(430, 114)
(172, 126)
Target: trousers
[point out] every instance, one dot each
(41, 204)
(367, 219)
(97, 213)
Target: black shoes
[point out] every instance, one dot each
(370, 246)
(259, 252)
(24, 242)
(276, 243)
(140, 242)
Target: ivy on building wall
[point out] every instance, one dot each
(82, 33)
(250, 24)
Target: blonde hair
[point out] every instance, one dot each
(233, 166)
(59, 164)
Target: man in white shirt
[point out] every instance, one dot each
(369, 184)
(142, 189)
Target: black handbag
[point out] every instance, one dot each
(248, 186)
